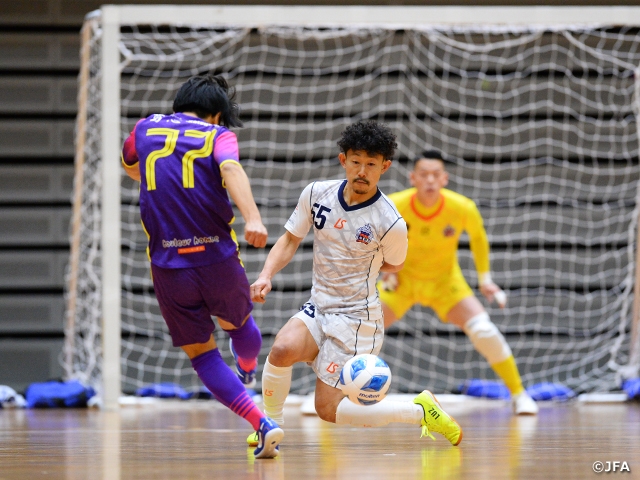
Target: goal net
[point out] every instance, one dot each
(539, 124)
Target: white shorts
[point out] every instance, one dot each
(339, 337)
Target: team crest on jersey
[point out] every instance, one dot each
(364, 234)
(449, 231)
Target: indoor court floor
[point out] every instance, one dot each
(192, 440)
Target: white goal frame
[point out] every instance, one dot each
(111, 19)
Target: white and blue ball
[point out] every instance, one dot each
(365, 379)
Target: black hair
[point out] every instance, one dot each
(207, 95)
(431, 155)
(370, 136)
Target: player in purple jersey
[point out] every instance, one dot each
(188, 164)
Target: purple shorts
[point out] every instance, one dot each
(188, 297)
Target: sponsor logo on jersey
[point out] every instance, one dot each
(364, 234)
(156, 117)
(340, 223)
(187, 242)
(201, 240)
(449, 231)
(200, 248)
(182, 242)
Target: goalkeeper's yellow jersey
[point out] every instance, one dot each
(434, 233)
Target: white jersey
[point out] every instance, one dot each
(350, 245)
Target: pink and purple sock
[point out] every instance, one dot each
(247, 341)
(224, 384)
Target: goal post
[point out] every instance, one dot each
(110, 234)
(441, 104)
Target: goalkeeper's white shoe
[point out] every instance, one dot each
(523, 404)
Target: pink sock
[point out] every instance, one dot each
(247, 341)
(225, 386)
(247, 365)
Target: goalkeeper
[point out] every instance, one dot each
(432, 276)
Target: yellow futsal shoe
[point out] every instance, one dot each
(436, 419)
(252, 440)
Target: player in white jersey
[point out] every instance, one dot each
(350, 245)
(357, 234)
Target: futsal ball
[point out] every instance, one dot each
(365, 379)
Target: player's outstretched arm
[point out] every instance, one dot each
(479, 244)
(239, 188)
(133, 171)
(129, 156)
(394, 248)
(279, 256)
(388, 268)
(491, 291)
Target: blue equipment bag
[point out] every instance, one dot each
(632, 387)
(484, 388)
(163, 390)
(550, 391)
(58, 394)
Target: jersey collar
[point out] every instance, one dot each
(414, 199)
(358, 206)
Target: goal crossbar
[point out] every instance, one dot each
(407, 16)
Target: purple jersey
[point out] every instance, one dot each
(184, 206)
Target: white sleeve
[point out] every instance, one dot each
(395, 243)
(301, 219)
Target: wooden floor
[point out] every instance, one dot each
(203, 440)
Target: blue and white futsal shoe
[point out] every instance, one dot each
(248, 378)
(269, 437)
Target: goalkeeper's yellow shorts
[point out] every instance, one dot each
(440, 295)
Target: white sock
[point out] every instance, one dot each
(276, 383)
(383, 413)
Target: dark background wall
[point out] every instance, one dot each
(39, 45)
